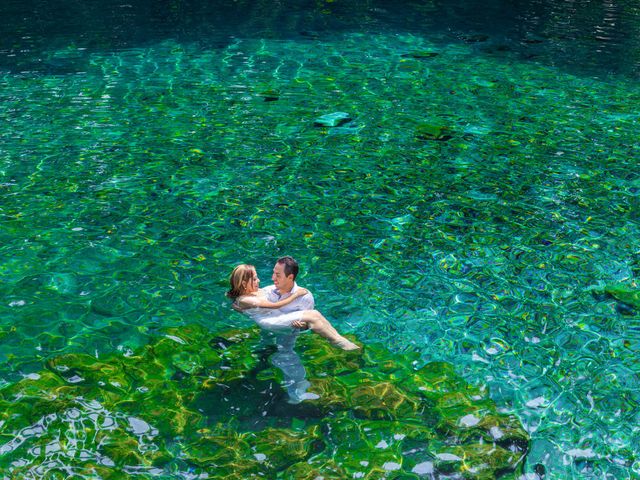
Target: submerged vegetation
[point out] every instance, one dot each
(195, 402)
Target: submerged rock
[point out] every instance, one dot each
(332, 119)
(270, 95)
(421, 54)
(214, 402)
(427, 131)
(475, 38)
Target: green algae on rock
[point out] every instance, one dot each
(212, 403)
(630, 296)
(427, 131)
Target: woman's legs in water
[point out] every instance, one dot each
(320, 325)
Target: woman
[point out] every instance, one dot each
(250, 300)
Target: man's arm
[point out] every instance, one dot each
(305, 302)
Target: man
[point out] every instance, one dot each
(284, 276)
(286, 359)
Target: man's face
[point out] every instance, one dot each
(280, 280)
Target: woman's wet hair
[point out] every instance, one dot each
(290, 266)
(239, 278)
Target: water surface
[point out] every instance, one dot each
(147, 149)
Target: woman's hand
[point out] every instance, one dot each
(300, 292)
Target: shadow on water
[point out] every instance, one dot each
(583, 36)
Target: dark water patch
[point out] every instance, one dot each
(587, 37)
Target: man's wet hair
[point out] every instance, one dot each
(290, 266)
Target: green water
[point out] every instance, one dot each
(133, 179)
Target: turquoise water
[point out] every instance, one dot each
(144, 154)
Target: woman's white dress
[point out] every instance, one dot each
(273, 319)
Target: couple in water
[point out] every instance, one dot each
(283, 307)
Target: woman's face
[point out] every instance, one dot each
(253, 284)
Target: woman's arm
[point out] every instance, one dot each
(251, 301)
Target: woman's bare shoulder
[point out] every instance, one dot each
(247, 301)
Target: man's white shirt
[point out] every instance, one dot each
(306, 302)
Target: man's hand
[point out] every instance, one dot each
(299, 324)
